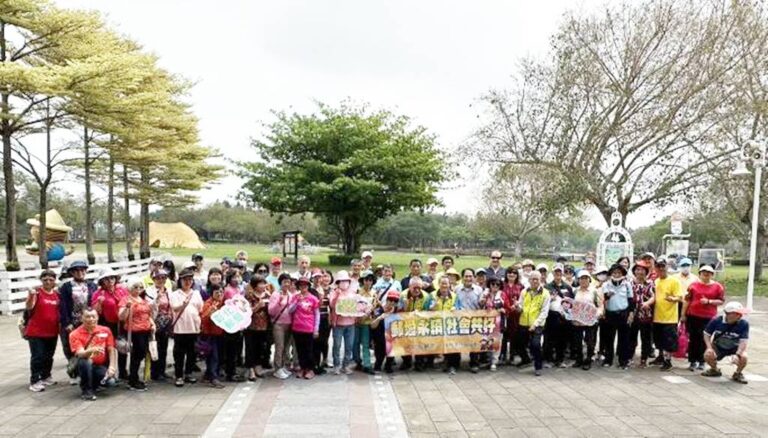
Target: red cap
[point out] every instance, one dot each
(277, 261)
(393, 295)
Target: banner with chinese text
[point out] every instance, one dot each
(458, 331)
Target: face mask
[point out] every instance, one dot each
(685, 270)
(617, 281)
(602, 277)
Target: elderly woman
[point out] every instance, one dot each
(305, 325)
(343, 326)
(281, 325)
(75, 296)
(42, 330)
(106, 302)
(586, 334)
(700, 306)
(186, 304)
(163, 316)
(136, 313)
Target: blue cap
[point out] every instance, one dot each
(685, 262)
(77, 264)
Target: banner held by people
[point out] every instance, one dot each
(459, 331)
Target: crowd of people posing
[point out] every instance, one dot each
(103, 324)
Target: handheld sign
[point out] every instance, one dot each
(354, 306)
(581, 312)
(234, 316)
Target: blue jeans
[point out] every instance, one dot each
(362, 341)
(90, 375)
(212, 360)
(347, 333)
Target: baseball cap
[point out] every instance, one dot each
(601, 269)
(707, 268)
(480, 271)
(366, 254)
(432, 261)
(648, 254)
(558, 267)
(685, 262)
(393, 295)
(589, 260)
(735, 307)
(160, 273)
(542, 266)
(276, 261)
(583, 273)
(528, 262)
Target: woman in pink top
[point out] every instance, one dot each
(343, 326)
(281, 324)
(305, 309)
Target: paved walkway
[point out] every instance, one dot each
(563, 402)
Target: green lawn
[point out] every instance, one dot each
(735, 277)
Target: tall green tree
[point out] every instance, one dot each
(348, 164)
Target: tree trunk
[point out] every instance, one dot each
(127, 216)
(144, 220)
(144, 252)
(42, 248)
(10, 188)
(111, 211)
(88, 200)
(518, 248)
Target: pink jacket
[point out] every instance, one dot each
(278, 302)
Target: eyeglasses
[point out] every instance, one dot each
(262, 271)
(495, 258)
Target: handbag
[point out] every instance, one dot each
(682, 342)
(163, 320)
(204, 347)
(153, 354)
(123, 343)
(72, 364)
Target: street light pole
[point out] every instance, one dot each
(753, 153)
(753, 241)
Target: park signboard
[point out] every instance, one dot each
(615, 242)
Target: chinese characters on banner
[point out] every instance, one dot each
(459, 331)
(577, 311)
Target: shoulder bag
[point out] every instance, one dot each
(72, 364)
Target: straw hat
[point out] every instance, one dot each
(53, 221)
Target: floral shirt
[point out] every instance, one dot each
(643, 293)
(259, 318)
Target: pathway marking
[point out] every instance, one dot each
(676, 379)
(755, 377)
(225, 422)
(389, 418)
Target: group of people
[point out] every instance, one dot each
(103, 324)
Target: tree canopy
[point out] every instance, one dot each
(349, 165)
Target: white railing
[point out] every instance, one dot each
(15, 285)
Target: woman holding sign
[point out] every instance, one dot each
(583, 332)
(343, 326)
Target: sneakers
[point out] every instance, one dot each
(179, 382)
(346, 370)
(712, 372)
(215, 383)
(537, 373)
(74, 381)
(739, 378)
(643, 363)
(700, 366)
(493, 367)
(666, 366)
(452, 371)
(692, 367)
(337, 371)
(586, 366)
(474, 369)
(658, 361)
(189, 379)
(38, 386)
(48, 381)
(137, 386)
(88, 396)
(282, 374)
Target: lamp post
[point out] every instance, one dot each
(752, 153)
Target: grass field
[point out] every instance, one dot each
(735, 277)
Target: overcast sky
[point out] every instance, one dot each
(427, 59)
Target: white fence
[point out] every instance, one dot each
(15, 285)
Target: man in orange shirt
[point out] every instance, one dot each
(94, 346)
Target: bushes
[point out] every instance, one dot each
(739, 262)
(340, 259)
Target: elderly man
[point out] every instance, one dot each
(415, 299)
(727, 335)
(534, 309)
(432, 268)
(304, 271)
(367, 257)
(94, 347)
(494, 269)
(468, 298)
(415, 272)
